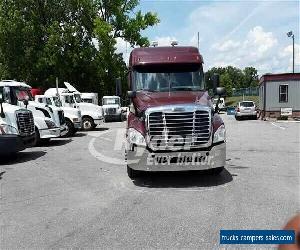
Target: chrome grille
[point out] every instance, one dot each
(178, 130)
(25, 123)
(61, 117)
(111, 111)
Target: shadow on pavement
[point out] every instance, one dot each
(97, 129)
(56, 142)
(79, 134)
(182, 179)
(21, 157)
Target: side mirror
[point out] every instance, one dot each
(131, 94)
(25, 102)
(220, 91)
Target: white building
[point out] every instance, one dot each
(279, 93)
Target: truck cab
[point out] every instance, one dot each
(18, 94)
(71, 116)
(172, 125)
(92, 115)
(16, 127)
(112, 108)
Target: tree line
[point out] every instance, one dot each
(232, 77)
(75, 40)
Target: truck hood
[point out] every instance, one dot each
(144, 100)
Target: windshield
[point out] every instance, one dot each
(170, 81)
(14, 94)
(77, 98)
(108, 101)
(87, 100)
(247, 104)
(69, 99)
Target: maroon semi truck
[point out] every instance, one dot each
(172, 125)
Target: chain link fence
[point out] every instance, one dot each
(251, 91)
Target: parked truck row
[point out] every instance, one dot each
(27, 118)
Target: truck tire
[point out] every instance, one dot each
(87, 123)
(37, 138)
(132, 174)
(70, 128)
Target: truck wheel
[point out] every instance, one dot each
(132, 173)
(216, 171)
(87, 124)
(37, 138)
(70, 129)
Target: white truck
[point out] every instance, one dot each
(112, 108)
(72, 116)
(16, 127)
(90, 98)
(92, 115)
(18, 94)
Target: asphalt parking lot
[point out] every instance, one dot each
(75, 193)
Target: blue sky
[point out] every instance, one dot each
(238, 33)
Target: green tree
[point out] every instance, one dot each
(226, 82)
(250, 77)
(117, 19)
(232, 77)
(74, 40)
(41, 40)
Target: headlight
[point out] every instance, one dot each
(6, 129)
(50, 124)
(136, 137)
(220, 134)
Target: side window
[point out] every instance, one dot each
(283, 93)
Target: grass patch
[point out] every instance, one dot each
(233, 100)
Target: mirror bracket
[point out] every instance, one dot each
(131, 94)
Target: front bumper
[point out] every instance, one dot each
(49, 133)
(63, 130)
(140, 158)
(112, 116)
(99, 121)
(14, 143)
(252, 113)
(77, 125)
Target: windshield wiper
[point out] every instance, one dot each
(185, 88)
(150, 90)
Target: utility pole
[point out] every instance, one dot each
(198, 40)
(290, 34)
